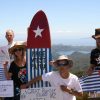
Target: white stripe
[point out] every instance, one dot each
(28, 63)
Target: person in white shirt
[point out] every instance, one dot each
(67, 82)
(10, 38)
(8, 58)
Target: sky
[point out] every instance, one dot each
(68, 19)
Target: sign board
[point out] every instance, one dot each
(45, 93)
(6, 88)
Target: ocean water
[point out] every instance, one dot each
(71, 52)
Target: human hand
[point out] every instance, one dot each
(51, 63)
(65, 88)
(24, 86)
(5, 64)
(89, 71)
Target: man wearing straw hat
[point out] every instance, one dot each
(67, 82)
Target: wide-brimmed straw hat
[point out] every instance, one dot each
(18, 44)
(97, 34)
(64, 57)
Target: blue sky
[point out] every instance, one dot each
(68, 19)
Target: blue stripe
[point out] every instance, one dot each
(50, 58)
(41, 66)
(91, 77)
(87, 81)
(30, 64)
(34, 64)
(38, 65)
(46, 83)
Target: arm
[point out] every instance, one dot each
(90, 69)
(71, 91)
(34, 81)
(7, 74)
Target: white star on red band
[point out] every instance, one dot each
(38, 32)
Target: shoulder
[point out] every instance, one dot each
(73, 76)
(94, 50)
(52, 73)
(12, 62)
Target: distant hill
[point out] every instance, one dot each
(75, 41)
(81, 59)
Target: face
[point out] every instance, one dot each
(9, 36)
(18, 51)
(63, 65)
(98, 41)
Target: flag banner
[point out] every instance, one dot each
(38, 64)
(91, 83)
(38, 48)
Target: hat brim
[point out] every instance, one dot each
(95, 37)
(11, 50)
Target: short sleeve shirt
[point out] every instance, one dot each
(56, 81)
(18, 76)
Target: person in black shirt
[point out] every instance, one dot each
(95, 54)
(17, 70)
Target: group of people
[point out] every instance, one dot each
(62, 78)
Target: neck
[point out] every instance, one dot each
(20, 61)
(10, 42)
(65, 75)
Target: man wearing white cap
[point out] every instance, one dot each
(68, 82)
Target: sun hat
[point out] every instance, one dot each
(18, 44)
(97, 34)
(64, 57)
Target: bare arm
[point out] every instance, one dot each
(34, 81)
(7, 74)
(71, 91)
(90, 69)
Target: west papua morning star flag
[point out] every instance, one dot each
(91, 83)
(38, 48)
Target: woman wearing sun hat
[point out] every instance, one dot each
(17, 70)
(67, 82)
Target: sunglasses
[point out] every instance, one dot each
(17, 49)
(62, 64)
